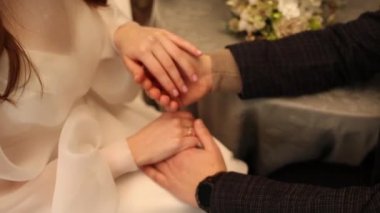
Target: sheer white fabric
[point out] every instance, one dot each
(65, 150)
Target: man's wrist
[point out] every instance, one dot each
(204, 190)
(225, 72)
(207, 74)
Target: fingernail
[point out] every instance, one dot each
(199, 52)
(194, 78)
(184, 89)
(175, 92)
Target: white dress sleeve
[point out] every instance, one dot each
(64, 147)
(116, 14)
(112, 81)
(51, 147)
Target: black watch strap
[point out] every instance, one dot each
(204, 190)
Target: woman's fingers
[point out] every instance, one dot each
(167, 58)
(160, 74)
(168, 64)
(173, 106)
(179, 56)
(187, 123)
(161, 53)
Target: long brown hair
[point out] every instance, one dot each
(18, 58)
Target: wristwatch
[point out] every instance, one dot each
(204, 190)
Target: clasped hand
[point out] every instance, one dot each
(172, 71)
(167, 135)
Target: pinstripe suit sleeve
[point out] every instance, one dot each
(304, 63)
(312, 61)
(235, 192)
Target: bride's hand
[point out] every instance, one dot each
(197, 90)
(160, 52)
(169, 134)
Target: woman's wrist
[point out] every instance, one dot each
(135, 148)
(119, 158)
(122, 32)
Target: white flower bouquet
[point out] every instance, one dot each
(274, 19)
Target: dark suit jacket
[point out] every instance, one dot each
(307, 63)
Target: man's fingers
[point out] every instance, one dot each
(147, 84)
(189, 142)
(155, 175)
(185, 115)
(164, 100)
(187, 123)
(204, 135)
(135, 68)
(154, 93)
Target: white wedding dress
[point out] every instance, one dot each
(58, 147)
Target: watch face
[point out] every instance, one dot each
(204, 195)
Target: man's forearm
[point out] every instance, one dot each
(310, 62)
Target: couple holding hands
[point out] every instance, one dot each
(75, 137)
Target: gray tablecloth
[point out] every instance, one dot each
(339, 125)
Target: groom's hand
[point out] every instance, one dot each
(181, 174)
